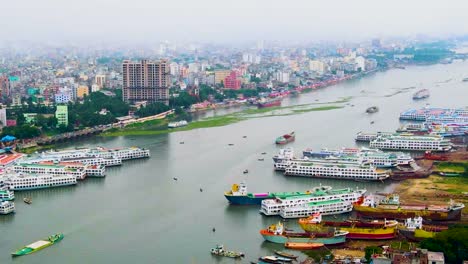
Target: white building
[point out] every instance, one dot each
(63, 97)
(3, 117)
(282, 77)
(317, 66)
(95, 88)
(193, 67)
(174, 69)
(361, 63)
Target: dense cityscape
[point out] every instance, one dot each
(337, 132)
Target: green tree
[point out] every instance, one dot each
(372, 250)
(453, 243)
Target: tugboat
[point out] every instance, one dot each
(284, 139)
(372, 109)
(38, 245)
(414, 230)
(220, 251)
(27, 200)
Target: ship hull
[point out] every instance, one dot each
(269, 104)
(245, 200)
(358, 233)
(416, 235)
(404, 214)
(280, 239)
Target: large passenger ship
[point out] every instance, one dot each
(423, 113)
(411, 142)
(100, 152)
(6, 207)
(274, 206)
(52, 169)
(6, 195)
(337, 171)
(23, 181)
(331, 207)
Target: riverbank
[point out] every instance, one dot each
(160, 127)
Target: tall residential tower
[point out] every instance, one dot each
(146, 81)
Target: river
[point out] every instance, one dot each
(138, 213)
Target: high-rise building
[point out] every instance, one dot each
(62, 115)
(317, 66)
(220, 75)
(81, 91)
(100, 80)
(146, 81)
(232, 81)
(4, 86)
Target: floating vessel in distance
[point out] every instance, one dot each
(367, 137)
(275, 259)
(38, 245)
(180, 123)
(392, 208)
(276, 234)
(372, 109)
(421, 94)
(426, 113)
(239, 195)
(268, 102)
(7, 207)
(285, 254)
(414, 230)
(284, 139)
(355, 229)
(220, 251)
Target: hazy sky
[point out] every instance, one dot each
(140, 21)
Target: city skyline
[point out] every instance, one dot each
(144, 21)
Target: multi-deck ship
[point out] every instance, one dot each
(411, 142)
(6, 207)
(284, 154)
(6, 195)
(22, 181)
(275, 206)
(337, 171)
(392, 208)
(423, 113)
(50, 169)
(331, 207)
(368, 136)
(356, 229)
(100, 152)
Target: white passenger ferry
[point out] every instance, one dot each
(447, 119)
(7, 207)
(6, 195)
(369, 136)
(52, 169)
(108, 162)
(24, 181)
(284, 154)
(99, 152)
(274, 206)
(337, 171)
(331, 207)
(281, 166)
(411, 142)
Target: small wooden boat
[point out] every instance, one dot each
(220, 251)
(181, 142)
(285, 254)
(372, 109)
(303, 246)
(27, 200)
(261, 159)
(246, 171)
(244, 136)
(275, 259)
(264, 153)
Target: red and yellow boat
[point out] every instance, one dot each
(303, 246)
(357, 229)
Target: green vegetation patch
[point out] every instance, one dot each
(457, 167)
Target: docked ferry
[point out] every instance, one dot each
(100, 152)
(107, 162)
(423, 113)
(50, 169)
(331, 207)
(23, 181)
(367, 137)
(282, 166)
(6, 195)
(6, 207)
(284, 154)
(274, 206)
(337, 171)
(411, 142)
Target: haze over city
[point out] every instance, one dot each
(142, 21)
